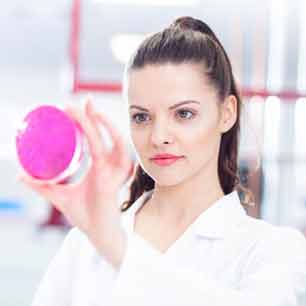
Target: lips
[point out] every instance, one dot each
(165, 156)
(165, 161)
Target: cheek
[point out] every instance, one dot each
(203, 139)
(203, 131)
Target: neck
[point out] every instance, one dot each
(179, 203)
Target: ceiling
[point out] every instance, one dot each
(35, 35)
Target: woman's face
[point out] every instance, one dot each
(192, 130)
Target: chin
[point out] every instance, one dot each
(168, 179)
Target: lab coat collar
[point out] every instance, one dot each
(219, 219)
(215, 222)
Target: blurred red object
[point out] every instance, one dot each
(55, 217)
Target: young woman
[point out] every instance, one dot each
(183, 237)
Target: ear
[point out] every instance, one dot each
(228, 113)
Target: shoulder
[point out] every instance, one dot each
(275, 264)
(265, 229)
(274, 242)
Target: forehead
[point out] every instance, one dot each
(168, 82)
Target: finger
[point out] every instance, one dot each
(118, 155)
(46, 190)
(130, 171)
(31, 180)
(96, 145)
(90, 112)
(119, 147)
(42, 189)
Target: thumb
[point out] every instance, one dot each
(38, 186)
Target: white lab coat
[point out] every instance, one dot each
(225, 257)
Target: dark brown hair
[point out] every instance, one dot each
(191, 40)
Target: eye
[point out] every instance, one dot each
(139, 118)
(135, 117)
(185, 111)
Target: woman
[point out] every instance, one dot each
(183, 237)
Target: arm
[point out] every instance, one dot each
(275, 276)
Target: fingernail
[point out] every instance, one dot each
(88, 98)
(91, 106)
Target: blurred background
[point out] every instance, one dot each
(56, 52)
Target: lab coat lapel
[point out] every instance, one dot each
(220, 218)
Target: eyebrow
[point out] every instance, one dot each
(171, 107)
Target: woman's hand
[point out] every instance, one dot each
(91, 204)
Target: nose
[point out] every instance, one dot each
(161, 134)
